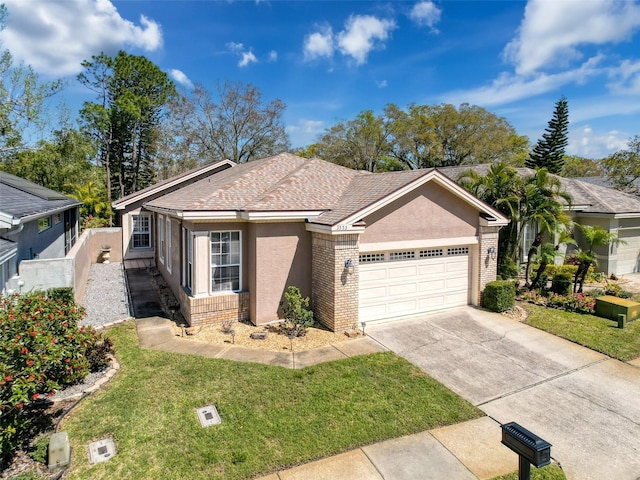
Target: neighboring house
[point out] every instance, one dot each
(363, 246)
(607, 182)
(593, 204)
(138, 224)
(35, 222)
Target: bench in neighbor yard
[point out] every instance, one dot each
(610, 307)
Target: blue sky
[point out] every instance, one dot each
(329, 60)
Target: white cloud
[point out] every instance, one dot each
(551, 33)
(305, 131)
(247, 59)
(362, 34)
(319, 44)
(510, 87)
(235, 47)
(180, 77)
(55, 37)
(626, 78)
(425, 14)
(382, 84)
(273, 56)
(584, 142)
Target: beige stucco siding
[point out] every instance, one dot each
(427, 213)
(279, 256)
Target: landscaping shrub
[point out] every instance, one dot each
(575, 302)
(508, 268)
(616, 290)
(553, 270)
(294, 309)
(561, 283)
(499, 295)
(64, 294)
(42, 349)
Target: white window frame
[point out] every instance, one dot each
(168, 240)
(213, 266)
(146, 232)
(187, 259)
(161, 244)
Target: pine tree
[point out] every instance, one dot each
(549, 151)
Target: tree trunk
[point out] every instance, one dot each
(533, 250)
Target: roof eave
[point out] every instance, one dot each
(121, 205)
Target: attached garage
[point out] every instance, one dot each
(399, 283)
(628, 251)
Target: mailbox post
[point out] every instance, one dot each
(531, 449)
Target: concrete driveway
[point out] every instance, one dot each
(584, 403)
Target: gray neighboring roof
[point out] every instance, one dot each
(20, 198)
(587, 197)
(7, 247)
(288, 183)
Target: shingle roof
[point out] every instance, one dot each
(175, 180)
(20, 198)
(6, 247)
(288, 183)
(586, 197)
(284, 182)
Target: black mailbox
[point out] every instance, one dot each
(526, 444)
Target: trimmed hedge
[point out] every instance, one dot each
(561, 283)
(499, 295)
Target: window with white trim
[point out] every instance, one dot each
(458, 251)
(394, 256)
(225, 261)
(161, 248)
(169, 262)
(141, 231)
(187, 259)
(371, 257)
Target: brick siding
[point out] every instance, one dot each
(215, 309)
(334, 288)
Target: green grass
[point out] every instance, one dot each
(272, 417)
(593, 332)
(550, 472)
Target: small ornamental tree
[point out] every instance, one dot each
(42, 349)
(294, 309)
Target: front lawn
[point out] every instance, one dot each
(272, 417)
(593, 332)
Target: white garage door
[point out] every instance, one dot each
(629, 252)
(395, 284)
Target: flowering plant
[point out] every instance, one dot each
(42, 349)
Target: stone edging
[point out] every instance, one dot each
(109, 373)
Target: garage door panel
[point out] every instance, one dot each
(373, 292)
(461, 265)
(629, 252)
(431, 269)
(404, 289)
(409, 286)
(379, 272)
(405, 307)
(433, 285)
(402, 271)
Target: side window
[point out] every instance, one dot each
(141, 231)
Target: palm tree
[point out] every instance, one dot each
(93, 198)
(534, 199)
(594, 236)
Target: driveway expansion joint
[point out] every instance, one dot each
(542, 382)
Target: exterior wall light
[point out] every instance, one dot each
(491, 251)
(348, 264)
